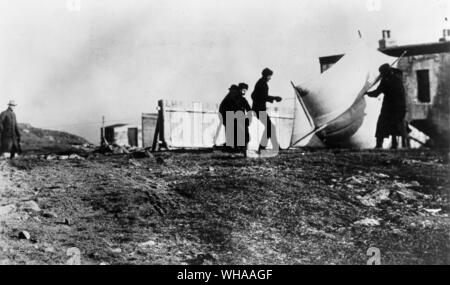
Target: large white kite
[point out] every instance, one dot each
(332, 110)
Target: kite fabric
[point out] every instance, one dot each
(336, 98)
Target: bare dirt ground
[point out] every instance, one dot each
(302, 207)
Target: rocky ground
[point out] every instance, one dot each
(302, 207)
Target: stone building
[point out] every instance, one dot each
(426, 73)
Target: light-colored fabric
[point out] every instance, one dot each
(336, 97)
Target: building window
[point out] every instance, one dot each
(328, 61)
(325, 67)
(423, 85)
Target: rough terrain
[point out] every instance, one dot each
(303, 207)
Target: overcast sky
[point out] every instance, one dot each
(67, 64)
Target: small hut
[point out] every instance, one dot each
(123, 135)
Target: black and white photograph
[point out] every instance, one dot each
(224, 133)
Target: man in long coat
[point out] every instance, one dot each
(260, 97)
(235, 101)
(391, 121)
(9, 131)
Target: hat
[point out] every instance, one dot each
(266, 72)
(233, 87)
(12, 103)
(243, 86)
(384, 67)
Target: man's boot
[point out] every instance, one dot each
(244, 150)
(261, 147)
(394, 144)
(379, 143)
(405, 142)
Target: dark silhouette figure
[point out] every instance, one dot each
(235, 101)
(260, 97)
(9, 131)
(391, 121)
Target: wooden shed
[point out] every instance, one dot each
(123, 134)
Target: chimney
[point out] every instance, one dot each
(445, 35)
(386, 40)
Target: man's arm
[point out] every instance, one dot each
(2, 116)
(17, 132)
(245, 105)
(376, 92)
(269, 98)
(273, 98)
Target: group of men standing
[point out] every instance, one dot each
(9, 132)
(391, 121)
(235, 101)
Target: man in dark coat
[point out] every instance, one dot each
(9, 131)
(242, 103)
(260, 97)
(391, 121)
(235, 101)
(229, 102)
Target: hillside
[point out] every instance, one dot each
(36, 140)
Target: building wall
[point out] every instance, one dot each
(433, 117)
(148, 129)
(197, 125)
(119, 135)
(440, 111)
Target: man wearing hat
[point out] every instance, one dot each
(244, 106)
(233, 102)
(9, 131)
(391, 121)
(260, 97)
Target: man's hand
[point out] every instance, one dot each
(274, 98)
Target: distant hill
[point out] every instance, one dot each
(36, 140)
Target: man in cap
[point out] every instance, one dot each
(9, 131)
(244, 106)
(391, 121)
(235, 101)
(242, 103)
(260, 97)
(229, 102)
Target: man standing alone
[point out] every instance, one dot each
(260, 97)
(391, 121)
(9, 131)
